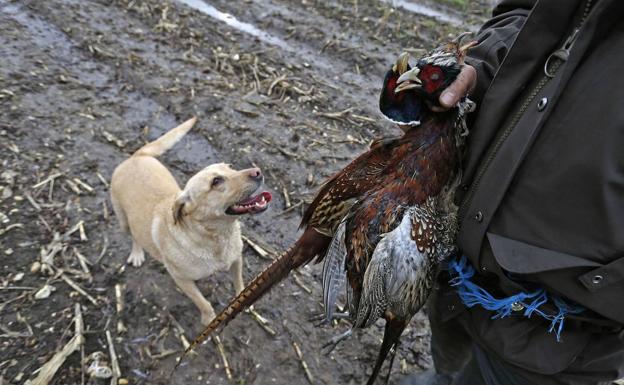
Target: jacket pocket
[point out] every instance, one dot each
(523, 258)
(596, 286)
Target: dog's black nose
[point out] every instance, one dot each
(255, 173)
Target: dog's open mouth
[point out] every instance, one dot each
(253, 205)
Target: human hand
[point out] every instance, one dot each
(465, 83)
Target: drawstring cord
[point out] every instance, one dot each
(472, 294)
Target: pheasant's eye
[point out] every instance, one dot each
(432, 77)
(431, 73)
(217, 180)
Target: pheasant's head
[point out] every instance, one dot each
(407, 91)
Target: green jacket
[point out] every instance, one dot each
(542, 199)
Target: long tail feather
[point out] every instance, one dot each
(392, 333)
(310, 244)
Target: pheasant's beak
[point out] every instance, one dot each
(408, 80)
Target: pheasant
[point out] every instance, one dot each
(387, 219)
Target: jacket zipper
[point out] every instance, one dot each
(552, 64)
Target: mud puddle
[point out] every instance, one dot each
(231, 21)
(437, 14)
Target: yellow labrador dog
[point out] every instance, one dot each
(194, 232)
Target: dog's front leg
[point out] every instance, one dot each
(237, 274)
(190, 289)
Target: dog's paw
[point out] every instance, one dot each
(136, 259)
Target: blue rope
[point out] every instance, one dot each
(472, 295)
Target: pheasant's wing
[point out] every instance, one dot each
(400, 273)
(392, 261)
(414, 256)
(334, 271)
(336, 197)
(350, 302)
(374, 297)
(377, 213)
(379, 274)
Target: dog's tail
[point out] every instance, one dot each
(168, 140)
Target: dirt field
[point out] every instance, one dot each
(83, 84)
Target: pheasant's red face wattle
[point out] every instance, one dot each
(390, 90)
(432, 78)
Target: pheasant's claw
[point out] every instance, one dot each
(402, 63)
(393, 352)
(467, 46)
(460, 38)
(323, 320)
(408, 80)
(335, 340)
(320, 319)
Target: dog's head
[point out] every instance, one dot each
(219, 191)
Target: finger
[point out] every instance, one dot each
(464, 83)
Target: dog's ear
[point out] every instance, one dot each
(182, 199)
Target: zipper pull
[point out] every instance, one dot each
(562, 53)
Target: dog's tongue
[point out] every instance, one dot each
(257, 198)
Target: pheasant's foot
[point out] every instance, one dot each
(334, 341)
(393, 351)
(322, 319)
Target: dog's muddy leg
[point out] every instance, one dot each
(189, 288)
(237, 275)
(137, 255)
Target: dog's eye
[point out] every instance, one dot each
(217, 180)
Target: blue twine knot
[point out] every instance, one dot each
(471, 295)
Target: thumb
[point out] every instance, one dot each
(465, 82)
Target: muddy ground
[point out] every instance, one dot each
(85, 83)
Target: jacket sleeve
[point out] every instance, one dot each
(495, 38)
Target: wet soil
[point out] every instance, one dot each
(287, 85)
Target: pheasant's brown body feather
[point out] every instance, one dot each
(420, 166)
(337, 195)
